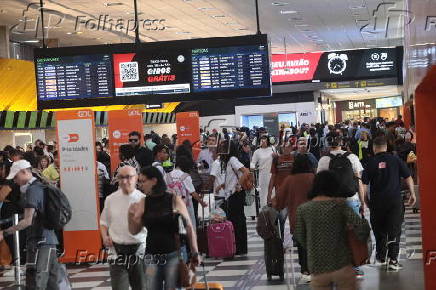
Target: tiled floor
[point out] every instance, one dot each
(248, 272)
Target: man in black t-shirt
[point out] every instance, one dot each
(383, 173)
(143, 155)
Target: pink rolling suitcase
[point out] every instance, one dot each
(221, 240)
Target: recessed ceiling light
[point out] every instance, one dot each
(31, 41)
(280, 3)
(288, 12)
(133, 13)
(75, 32)
(110, 4)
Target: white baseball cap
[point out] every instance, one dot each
(17, 166)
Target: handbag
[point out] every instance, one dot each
(186, 277)
(246, 181)
(360, 250)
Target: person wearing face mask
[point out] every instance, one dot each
(262, 160)
(116, 236)
(41, 242)
(363, 148)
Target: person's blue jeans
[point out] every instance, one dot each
(164, 273)
(355, 205)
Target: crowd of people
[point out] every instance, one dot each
(160, 185)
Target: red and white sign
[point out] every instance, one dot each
(78, 174)
(188, 128)
(120, 124)
(294, 67)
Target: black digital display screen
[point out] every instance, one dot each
(74, 77)
(230, 68)
(151, 73)
(357, 64)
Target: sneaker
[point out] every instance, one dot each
(305, 279)
(394, 266)
(359, 273)
(11, 272)
(380, 262)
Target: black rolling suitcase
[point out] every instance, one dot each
(269, 228)
(274, 258)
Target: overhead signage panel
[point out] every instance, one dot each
(150, 73)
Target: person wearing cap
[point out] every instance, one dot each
(43, 270)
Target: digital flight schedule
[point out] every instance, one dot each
(74, 77)
(230, 68)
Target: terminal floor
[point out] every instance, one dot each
(248, 272)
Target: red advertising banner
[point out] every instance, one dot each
(294, 67)
(188, 128)
(120, 124)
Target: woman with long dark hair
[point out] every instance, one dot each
(158, 213)
(233, 172)
(291, 195)
(321, 228)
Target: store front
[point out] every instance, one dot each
(356, 110)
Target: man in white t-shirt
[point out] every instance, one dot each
(356, 202)
(218, 182)
(114, 230)
(206, 155)
(160, 154)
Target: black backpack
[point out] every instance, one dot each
(348, 182)
(57, 208)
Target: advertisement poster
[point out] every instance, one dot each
(76, 141)
(120, 124)
(336, 66)
(294, 67)
(152, 72)
(188, 128)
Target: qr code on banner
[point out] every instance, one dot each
(129, 71)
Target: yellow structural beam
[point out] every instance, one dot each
(18, 90)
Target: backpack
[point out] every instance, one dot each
(57, 208)
(176, 186)
(266, 223)
(348, 182)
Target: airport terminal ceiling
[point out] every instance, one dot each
(293, 26)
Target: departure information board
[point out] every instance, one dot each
(230, 68)
(150, 73)
(72, 77)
